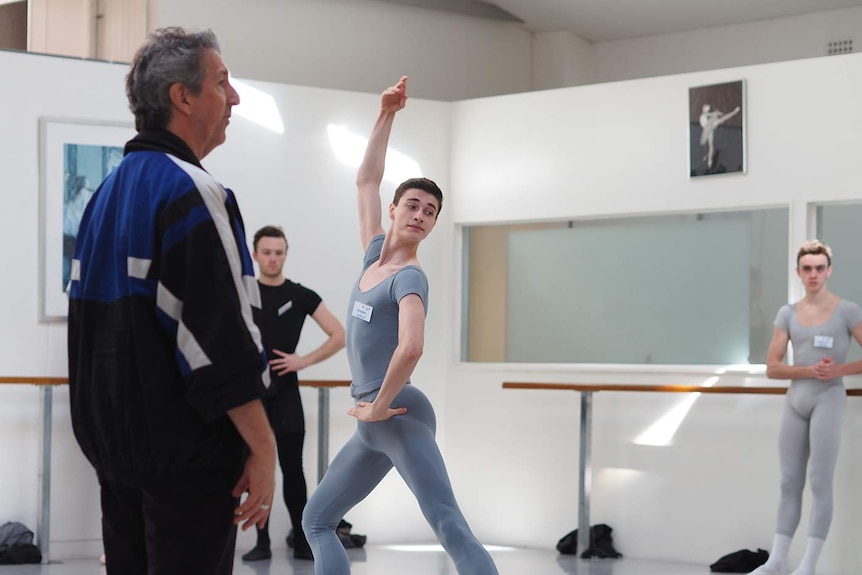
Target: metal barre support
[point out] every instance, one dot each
(585, 471)
(322, 432)
(43, 525)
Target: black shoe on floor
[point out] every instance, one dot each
(257, 554)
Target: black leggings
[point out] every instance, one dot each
(290, 443)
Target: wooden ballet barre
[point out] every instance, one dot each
(587, 389)
(590, 387)
(34, 380)
(65, 380)
(324, 383)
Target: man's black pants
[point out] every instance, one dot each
(183, 532)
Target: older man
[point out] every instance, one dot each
(165, 361)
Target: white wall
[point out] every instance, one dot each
(615, 149)
(760, 42)
(291, 179)
(362, 45)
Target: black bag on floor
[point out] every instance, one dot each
(742, 561)
(19, 554)
(601, 544)
(16, 545)
(349, 540)
(568, 545)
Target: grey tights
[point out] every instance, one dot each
(407, 443)
(810, 436)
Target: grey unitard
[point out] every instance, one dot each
(405, 442)
(813, 417)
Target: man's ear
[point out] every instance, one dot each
(391, 211)
(179, 94)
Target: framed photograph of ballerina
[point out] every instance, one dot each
(74, 157)
(716, 126)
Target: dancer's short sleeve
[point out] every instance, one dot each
(782, 319)
(372, 253)
(410, 280)
(852, 314)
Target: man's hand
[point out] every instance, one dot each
(287, 362)
(258, 480)
(258, 477)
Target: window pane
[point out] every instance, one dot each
(838, 226)
(686, 289)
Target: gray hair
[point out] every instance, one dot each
(169, 56)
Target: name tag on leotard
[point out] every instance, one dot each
(823, 341)
(362, 311)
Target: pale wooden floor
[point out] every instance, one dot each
(423, 560)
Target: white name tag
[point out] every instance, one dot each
(362, 311)
(285, 307)
(823, 341)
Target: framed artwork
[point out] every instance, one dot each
(716, 119)
(74, 157)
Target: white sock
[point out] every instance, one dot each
(812, 554)
(777, 562)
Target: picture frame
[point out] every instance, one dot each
(716, 115)
(74, 157)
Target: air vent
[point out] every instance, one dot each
(839, 47)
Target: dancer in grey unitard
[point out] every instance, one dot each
(385, 335)
(820, 327)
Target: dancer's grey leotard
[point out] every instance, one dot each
(371, 334)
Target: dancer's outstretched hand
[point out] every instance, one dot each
(394, 98)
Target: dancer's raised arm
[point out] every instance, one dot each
(371, 169)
